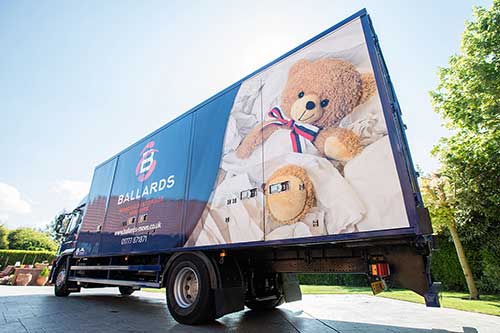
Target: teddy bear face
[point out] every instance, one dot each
(294, 196)
(307, 108)
(321, 92)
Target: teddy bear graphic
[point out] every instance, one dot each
(298, 176)
(317, 96)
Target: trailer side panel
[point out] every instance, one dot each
(307, 150)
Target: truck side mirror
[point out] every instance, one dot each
(59, 228)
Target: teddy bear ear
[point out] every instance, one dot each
(298, 66)
(369, 87)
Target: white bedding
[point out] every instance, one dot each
(378, 187)
(366, 198)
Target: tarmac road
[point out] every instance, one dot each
(34, 309)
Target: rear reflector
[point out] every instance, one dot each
(380, 269)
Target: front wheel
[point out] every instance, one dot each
(189, 297)
(61, 285)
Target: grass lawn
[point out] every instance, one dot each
(489, 304)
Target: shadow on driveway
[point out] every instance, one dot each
(147, 312)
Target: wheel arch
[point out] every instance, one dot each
(214, 278)
(63, 257)
(226, 280)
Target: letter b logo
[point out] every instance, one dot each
(147, 163)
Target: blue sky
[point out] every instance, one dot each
(79, 81)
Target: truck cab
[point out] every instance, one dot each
(67, 226)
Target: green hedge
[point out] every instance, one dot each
(10, 257)
(485, 266)
(445, 266)
(354, 280)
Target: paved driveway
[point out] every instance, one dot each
(34, 309)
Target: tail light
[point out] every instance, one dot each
(380, 269)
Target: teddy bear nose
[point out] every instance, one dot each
(310, 105)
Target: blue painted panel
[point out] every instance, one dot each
(209, 130)
(124, 202)
(159, 225)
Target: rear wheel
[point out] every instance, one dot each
(61, 285)
(126, 291)
(189, 296)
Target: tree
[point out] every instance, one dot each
(439, 197)
(4, 241)
(468, 99)
(30, 239)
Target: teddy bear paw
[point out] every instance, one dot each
(343, 146)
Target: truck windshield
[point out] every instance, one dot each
(73, 223)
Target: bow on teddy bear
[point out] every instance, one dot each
(317, 96)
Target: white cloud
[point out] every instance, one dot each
(3, 218)
(74, 190)
(11, 202)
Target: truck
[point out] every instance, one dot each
(302, 166)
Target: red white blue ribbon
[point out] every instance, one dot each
(299, 132)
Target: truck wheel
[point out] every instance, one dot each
(61, 287)
(269, 304)
(126, 291)
(189, 297)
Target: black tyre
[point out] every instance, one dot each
(60, 285)
(126, 291)
(190, 299)
(265, 304)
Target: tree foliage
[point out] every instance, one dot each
(468, 99)
(439, 198)
(4, 241)
(30, 239)
(467, 94)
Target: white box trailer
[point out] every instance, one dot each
(302, 166)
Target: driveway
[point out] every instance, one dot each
(34, 309)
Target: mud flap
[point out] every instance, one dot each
(230, 292)
(291, 287)
(229, 300)
(432, 296)
(411, 270)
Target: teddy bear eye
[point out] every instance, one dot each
(301, 94)
(324, 103)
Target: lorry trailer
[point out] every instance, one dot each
(301, 167)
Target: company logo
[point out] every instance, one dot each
(143, 171)
(147, 163)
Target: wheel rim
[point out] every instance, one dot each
(61, 277)
(186, 287)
